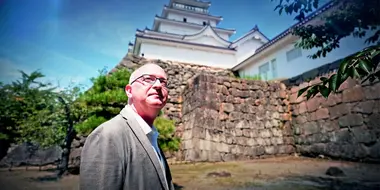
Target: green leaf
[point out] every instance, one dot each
(375, 53)
(343, 66)
(355, 73)
(324, 90)
(3, 136)
(301, 91)
(342, 77)
(323, 79)
(364, 66)
(333, 83)
(312, 92)
(351, 71)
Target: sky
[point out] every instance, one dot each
(69, 41)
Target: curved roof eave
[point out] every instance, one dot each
(148, 32)
(189, 43)
(203, 29)
(255, 29)
(244, 38)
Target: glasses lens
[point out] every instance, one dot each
(151, 79)
(164, 82)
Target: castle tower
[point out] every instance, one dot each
(186, 32)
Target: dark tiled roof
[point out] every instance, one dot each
(149, 30)
(196, 13)
(182, 42)
(254, 29)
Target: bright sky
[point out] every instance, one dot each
(71, 40)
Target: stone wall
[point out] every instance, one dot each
(346, 125)
(222, 118)
(229, 119)
(179, 75)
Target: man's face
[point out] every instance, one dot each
(149, 89)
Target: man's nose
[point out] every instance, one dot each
(157, 84)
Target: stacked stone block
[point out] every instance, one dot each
(230, 119)
(345, 125)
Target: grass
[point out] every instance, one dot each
(249, 77)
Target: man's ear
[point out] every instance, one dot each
(128, 90)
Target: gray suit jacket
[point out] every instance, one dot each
(118, 155)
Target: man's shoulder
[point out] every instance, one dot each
(111, 127)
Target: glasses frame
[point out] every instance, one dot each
(154, 81)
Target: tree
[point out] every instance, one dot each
(73, 112)
(29, 111)
(34, 111)
(349, 17)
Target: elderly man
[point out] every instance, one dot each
(123, 153)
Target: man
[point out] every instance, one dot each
(122, 153)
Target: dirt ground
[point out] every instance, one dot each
(265, 174)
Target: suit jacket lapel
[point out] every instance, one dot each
(167, 170)
(134, 125)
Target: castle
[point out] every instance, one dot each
(187, 32)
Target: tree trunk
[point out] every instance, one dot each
(66, 147)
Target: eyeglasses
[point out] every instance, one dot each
(151, 79)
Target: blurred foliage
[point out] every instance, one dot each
(31, 110)
(166, 140)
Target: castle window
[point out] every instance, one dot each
(293, 54)
(204, 23)
(184, 20)
(264, 71)
(274, 68)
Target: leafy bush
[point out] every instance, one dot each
(166, 128)
(103, 100)
(85, 127)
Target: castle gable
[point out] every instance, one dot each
(207, 36)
